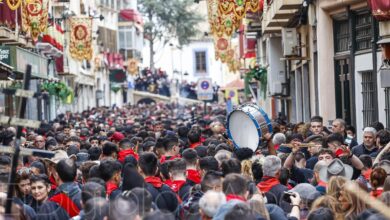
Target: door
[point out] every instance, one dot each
(343, 95)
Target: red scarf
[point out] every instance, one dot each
(177, 184)
(232, 196)
(168, 182)
(376, 193)
(194, 176)
(110, 187)
(267, 183)
(53, 183)
(124, 153)
(155, 181)
(194, 145)
(167, 158)
(366, 174)
(66, 203)
(321, 183)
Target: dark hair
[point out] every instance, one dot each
(378, 177)
(284, 176)
(208, 163)
(177, 166)
(94, 153)
(257, 171)
(126, 144)
(67, 170)
(94, 172)
(334, 137)
(316, 118)
(243, 153)
(183, 131)
(201, 151)
(230, 166)
(96, 209)
(148, 163)
(131, 178)
(142, 198)
(108, 168)
(350, 128)
(366, 160)
(122, 209)
(85, 168)
(240, 211)
(299, 156)
(85, 145)
(384, 137)
(190, 156)
(147, 145)
(169, 141)
(39, 165)
(109, 148)
(321, 214)
(91, 190)
(72, 150)
(97, 180)
(378, 126)
(234, 183)
(209, 180)
(40, 178)
(326, 151)
(193, 136)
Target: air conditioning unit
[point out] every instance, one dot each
(290, 42)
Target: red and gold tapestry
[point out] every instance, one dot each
(35, 17)
(380, 9)
(13, 4)
(81, 38)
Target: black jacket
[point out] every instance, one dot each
(164, 197)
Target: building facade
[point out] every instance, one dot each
(322, 59)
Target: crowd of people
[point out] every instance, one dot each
(149, 162)
(154, 82)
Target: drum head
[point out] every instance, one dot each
(243, 130)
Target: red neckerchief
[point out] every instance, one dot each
(53, 183)
(194, 176)
(110, 187)
(376, 192)
(321, 183)
(124, 153)
(155, 181)
(366, 174)
(177, 184)
(232, 196)
(167, 158)
(66, 203)
(194, 145)
(168, 182)
(267, 183)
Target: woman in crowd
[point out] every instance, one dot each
(40, 188)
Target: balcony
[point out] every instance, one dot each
(58, 4)
(8, 37)
(278, 13)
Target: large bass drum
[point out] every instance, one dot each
(246, 125)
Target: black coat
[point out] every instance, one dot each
(163, 197)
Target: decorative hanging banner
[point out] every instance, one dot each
(132, 66)
(81, 38)
(34, 17)
(13, 4)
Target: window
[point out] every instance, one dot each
(126, 36)
(369, 86)
(200, 62)
(341, 30)
(363, 31)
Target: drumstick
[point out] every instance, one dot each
(302, 145)
(376, 204)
